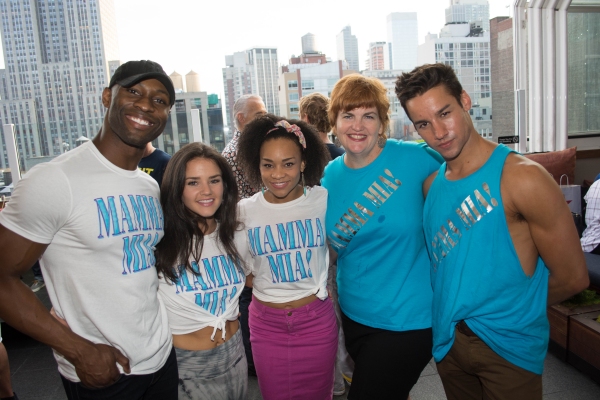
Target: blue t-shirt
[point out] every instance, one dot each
(476, 273)
(374, 222)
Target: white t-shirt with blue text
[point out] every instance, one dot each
(101, 224)
(288, 244)
(209, 296)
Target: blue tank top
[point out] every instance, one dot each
(475, 271)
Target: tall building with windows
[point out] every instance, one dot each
(179, 128)
(402, 35)
(502, 75)
(466, 48)
(58, 56)
(253, 71)
(347, 48)
(469, 11)
(378, 56)
(297, 80)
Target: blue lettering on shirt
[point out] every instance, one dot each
(299, 236)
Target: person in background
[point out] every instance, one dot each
(6, 390)
(590, 240)
(313, 110)
(374, 224)
(245, 109)
(502, 246)
(292, 320)
(154, 162)
(98, 262)
(201, 266)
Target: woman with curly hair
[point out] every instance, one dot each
(201, 265)
(292, 322)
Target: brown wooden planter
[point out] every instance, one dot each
(584, 343)
(559, 319)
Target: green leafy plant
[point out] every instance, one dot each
(585, 298)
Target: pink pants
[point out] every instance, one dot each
(294, 350)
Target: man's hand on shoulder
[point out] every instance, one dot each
(530, 193)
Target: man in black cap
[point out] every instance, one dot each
(94, 219)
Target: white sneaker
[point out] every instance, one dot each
(37, 285)
(340, 391)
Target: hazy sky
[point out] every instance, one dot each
(184, 35)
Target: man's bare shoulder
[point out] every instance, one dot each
(520, 173)
(526, 184)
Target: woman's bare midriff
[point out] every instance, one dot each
(200, 340)
(291, 304)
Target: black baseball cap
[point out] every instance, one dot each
(132, 72)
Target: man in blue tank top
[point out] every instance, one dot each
(502, 245)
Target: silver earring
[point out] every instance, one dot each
(381, 141)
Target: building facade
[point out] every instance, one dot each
(378, 56)
(469, 11)
(179, 129)
(402, 35)
(502, 76)
(253, 71)
(466, 48)
(58, 57)
(347, 48)
(299, 80)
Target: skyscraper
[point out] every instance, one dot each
(378, 56)
(402, 34)
(469, 11)
(253, 71)
(58, 56)
(347, 48)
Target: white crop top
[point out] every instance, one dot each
(211, 298)
(288, 244)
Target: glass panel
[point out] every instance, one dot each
(583, 72)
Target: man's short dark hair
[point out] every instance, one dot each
(425, 77)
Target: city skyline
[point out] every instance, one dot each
(58, 60)
(181, 37)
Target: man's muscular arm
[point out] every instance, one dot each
(95, 364)
(539, 201)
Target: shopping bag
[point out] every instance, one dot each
(572, 195)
